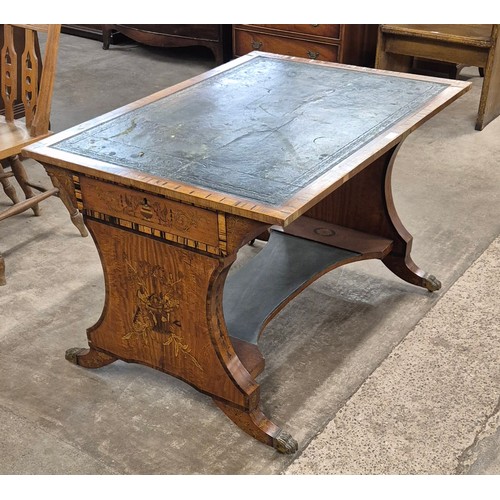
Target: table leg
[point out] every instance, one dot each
(163, 309)
(365, 203)
(257, 425)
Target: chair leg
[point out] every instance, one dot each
(2, 271)
(8, 187)
(489, 103)
(22, 178)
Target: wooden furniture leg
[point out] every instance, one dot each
(257, 425)
(106, 35)
(63, 182)
(391, 60)
(163, 309)
(375, 215)
(489, 104)
(8, 188)
(2, 271)
(22, 178)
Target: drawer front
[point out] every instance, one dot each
(131, 206)
(326, 30)
(246, 41)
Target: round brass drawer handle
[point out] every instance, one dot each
(312, 55)
(256, 44)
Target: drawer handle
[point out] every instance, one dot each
(312, 55)
(256, 45)
(145, 209)
(314, 25)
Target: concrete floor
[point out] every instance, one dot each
(56, 418)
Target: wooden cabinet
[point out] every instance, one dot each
(217, 37)
(344, 43)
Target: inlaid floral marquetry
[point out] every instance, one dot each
(157, 302)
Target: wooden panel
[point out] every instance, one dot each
(19, 42)
(323, 30)
(8, 73)
(246, 41)
(156, 310)
(339, 236)
(439, 50)
(478, 35)
(155, 212)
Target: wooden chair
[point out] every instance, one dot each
(36, 96)
(463, 44)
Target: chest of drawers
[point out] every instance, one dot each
(344, 43)
(216, 37)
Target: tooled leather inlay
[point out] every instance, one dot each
(262, 130)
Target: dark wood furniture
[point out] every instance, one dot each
(173, 185)
(344, 43)
(463, 44)
(20, 83)
(92, 31)
(217, 37)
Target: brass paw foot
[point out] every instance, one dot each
(256, 424)
(431, 283)
(284, 443)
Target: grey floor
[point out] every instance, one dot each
(322, 351)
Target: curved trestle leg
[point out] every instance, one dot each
(376, 215)
(257, 425)
(88, 358)
(408, 271)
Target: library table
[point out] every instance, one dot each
(173, 185)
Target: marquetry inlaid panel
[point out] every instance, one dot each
(152, 215)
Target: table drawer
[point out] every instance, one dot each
(149, 210)
(325, 30)
(246, 41)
